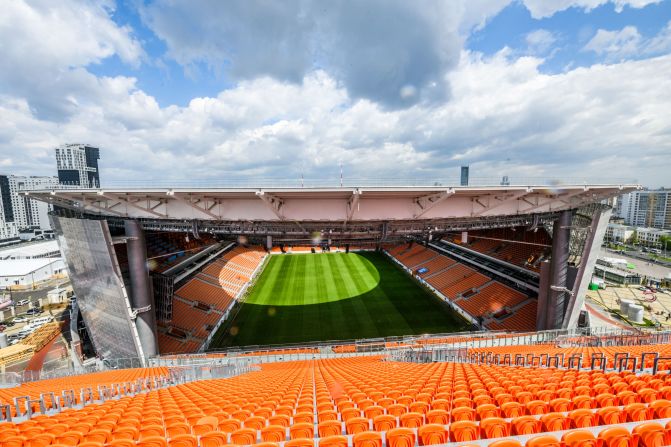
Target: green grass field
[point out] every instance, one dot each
(334, 296)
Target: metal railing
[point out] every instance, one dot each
(24, 407)
(448, 181)
(243, 356)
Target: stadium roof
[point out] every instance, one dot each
(331, 204)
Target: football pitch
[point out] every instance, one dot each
(334, 296)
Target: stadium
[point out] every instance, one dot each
(341, 316)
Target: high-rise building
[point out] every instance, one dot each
(78, 165)
(647, 208)
(8, 228)
(18, 211)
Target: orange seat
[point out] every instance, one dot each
(302, 430)
(504, 443)
(244, 436)
(494, 428)
(213, 439)
(384, 422)
(71, 438)
(610, 416)
(617, 437)
(661, 408)
(333, 441)
(652, 434)
(327, 416)
(145, 431)
(227, 426)
(525, 425)
(582, 418)
(462, 414)
(485, 411)
(397, 410)
(432, 434)
(579, 438)
(461, 431)
(437, 417)
(152, 441)
(300, 442)
(283, 420)
(513, 409)
(372, 411)
(329, 428)
(356, 425)
(411, 420)
(400, 437)
(174, 430)
(554, 422)
(367, 439)
(255, 422)
(273, 433)
(183, 441)
(560, 404)
(205, 424)
(537, 407)
(543, 441)
(349, 413)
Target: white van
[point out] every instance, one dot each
(37, 322)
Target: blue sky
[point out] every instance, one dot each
(265, 89)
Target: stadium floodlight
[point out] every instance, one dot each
(561, 289)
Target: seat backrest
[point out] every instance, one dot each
(494, 427)
(400, 437)
(652, 434)
(617, 437)
(543, 441)
(367, 439)
(579, 438)
(504, 443)
(213, 439)
(333, 441)
(463, 431)
(432, 434)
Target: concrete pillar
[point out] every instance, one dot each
(269, 242)
(141, 295)
(543, 289)
(561, 234)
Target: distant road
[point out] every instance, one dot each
(643, 266)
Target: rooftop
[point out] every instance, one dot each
(29, 250)
(22, 267)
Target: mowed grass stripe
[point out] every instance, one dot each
(335, 296)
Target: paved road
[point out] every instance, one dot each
(642, 267)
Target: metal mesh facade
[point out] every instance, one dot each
(87, 248)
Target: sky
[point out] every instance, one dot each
(215, 91)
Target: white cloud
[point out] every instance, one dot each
(46, 46)
(547, 8)
(540, 41)
(615, 44)
(359, 43)
(505, 118)
(628, 42)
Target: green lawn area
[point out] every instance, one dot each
(334, 296)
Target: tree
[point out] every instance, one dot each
(633, 239)
(666, 242)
